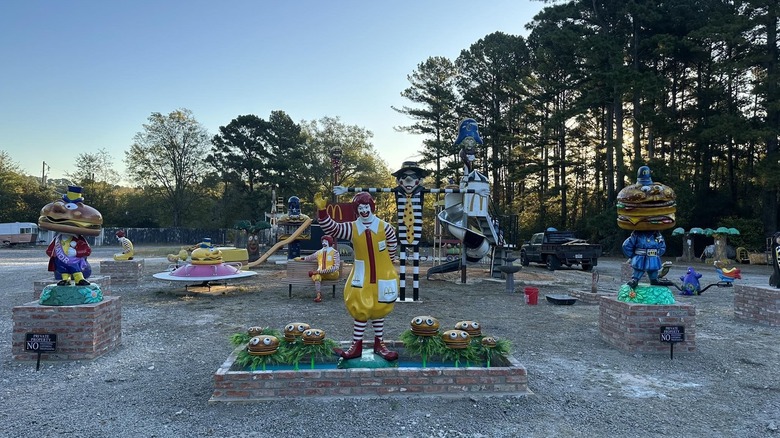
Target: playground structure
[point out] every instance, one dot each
(465, 215)
(206, 266)
(467, 218)
(280, 244)
(690, 284)
(219, 271)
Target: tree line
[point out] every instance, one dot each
(568, 114)
(601, 87)
(184, 177)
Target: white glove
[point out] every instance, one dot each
(339, 190)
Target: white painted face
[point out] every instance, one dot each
(364, 211)
(409, 180)
(325, 244)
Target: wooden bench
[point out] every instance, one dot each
(298, 275)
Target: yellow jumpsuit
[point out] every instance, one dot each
(363, 302)
(330, 255)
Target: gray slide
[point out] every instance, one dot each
(476, 244)
(445, 267)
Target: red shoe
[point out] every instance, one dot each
(356, 350)
(381, 349)
(318, 298)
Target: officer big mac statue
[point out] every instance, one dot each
(646, 208)
(68, 251)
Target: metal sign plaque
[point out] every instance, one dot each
(40, 342)
(672, 333)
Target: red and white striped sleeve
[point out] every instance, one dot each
(391, 240)
(336, 263)
(338, 230)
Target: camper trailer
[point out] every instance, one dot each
(15, 233)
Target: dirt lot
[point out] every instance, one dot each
(159, 381)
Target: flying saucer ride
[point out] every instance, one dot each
(206, 266)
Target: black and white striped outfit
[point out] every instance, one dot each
(409, 238)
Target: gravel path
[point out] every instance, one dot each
(158, 383)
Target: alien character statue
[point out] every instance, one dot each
(290, 221)
(468, 139)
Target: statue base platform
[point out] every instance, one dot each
(85, 331)
(123, 271)
(54, 295)
(232, 383)
(588, 297)
(759, 304)
(646, 294)
(636, 328)
(102, 280)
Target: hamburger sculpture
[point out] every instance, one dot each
(646, 208)
(71, 219)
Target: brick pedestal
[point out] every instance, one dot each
(123, 271)
(505, 377)
(636, 328)
(587, 297)
(103, 280)
(759, 304)
(85, 331)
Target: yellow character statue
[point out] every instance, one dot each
(328, 261)
(372, 286)
(127, 247)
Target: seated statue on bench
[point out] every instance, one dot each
(127, 247)
(328, 261)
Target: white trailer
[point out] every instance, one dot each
(14, 233)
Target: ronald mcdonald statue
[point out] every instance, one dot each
(372, 286)
(328, 261)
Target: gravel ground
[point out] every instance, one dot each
(158, 383)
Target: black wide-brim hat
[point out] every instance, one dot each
(411, 165)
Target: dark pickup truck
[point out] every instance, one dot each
(559, 248)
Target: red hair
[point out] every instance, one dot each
(330, 241)
(364, 198)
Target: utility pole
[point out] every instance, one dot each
(44, 168)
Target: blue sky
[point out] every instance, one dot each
(79, 75)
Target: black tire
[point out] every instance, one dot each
(524, 259)
(553, 263)
(587, 267)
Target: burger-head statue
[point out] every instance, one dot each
(646, 205)
(68, 251)
(645, 208)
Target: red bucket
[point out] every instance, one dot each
(531, 296)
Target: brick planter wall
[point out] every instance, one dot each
(636, 328)
(587, 297)
(231, 385)
(759, 304)
(85, 331)
(123, 271)
(103, 280)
